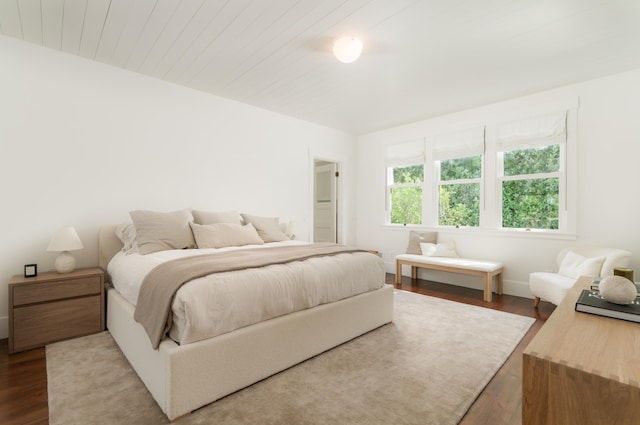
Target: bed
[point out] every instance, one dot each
(183, 377)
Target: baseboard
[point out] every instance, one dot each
(510, 287)
(4, 327)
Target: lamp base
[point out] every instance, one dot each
(65, 262)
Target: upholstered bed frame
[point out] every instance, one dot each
(184, 378)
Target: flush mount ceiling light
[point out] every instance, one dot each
(347, 49)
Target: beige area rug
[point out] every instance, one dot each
(427, 367)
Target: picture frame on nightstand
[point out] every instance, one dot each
(30, 270)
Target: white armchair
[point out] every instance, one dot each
(572, 263)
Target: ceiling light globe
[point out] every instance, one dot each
(347, 49)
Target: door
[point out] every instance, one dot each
(325, 211)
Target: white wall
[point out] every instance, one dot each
(83, 143)
(608, 196)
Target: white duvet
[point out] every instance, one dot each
(221, 302)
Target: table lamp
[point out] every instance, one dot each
(63, 241)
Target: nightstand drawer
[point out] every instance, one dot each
(48, 291)
(40, 324)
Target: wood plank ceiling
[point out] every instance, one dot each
(422, 58)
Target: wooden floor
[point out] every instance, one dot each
(23, 387)
(23, 376)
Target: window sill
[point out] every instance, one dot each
(511, 233)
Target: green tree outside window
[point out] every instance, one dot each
(459, 203)
(531, 202)
(406, 194)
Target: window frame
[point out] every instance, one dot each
(439, 182)
(565, 223)
(492, 178)
(560, 175)
(391, 185)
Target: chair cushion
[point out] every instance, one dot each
(613, 257)
(550, 287)
(575, 265)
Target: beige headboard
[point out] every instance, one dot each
(108, 245)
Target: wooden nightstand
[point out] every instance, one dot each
(55, 306)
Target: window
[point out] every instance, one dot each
(405, 193)
(531, 188)
(519, 175)
(459, 191)
(530, 158)
(457, 159)
(405, 179)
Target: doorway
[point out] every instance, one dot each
(325, 201)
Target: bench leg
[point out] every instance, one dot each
(398, 272)
(499, 283)
(487, 287)
(414, 273)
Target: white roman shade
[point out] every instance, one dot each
(461, 144)
(543, 130)
(406, 153)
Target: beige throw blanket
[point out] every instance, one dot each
(153, 310)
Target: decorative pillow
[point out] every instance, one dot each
(592, 267)
(158, 231)
(268, 227)
(225, 234)
(428, 249)
(445, 249)
(126, 232)
(575, 265)
(215, 217)
(416, 238)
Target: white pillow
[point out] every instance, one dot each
(575, 265)
(126, 232)
(444, 249)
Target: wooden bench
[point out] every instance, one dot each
(483, 268)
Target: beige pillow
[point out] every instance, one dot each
(215, 217)
(159, 231)
(225, 234)
(416, 238)
(268, 227)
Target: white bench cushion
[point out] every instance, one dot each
(461, 263)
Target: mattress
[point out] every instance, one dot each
(222, 302)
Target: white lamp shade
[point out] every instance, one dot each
(347, 49)
(65, 239)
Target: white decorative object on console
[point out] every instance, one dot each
(618, 290)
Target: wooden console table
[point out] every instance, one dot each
(582, 369)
